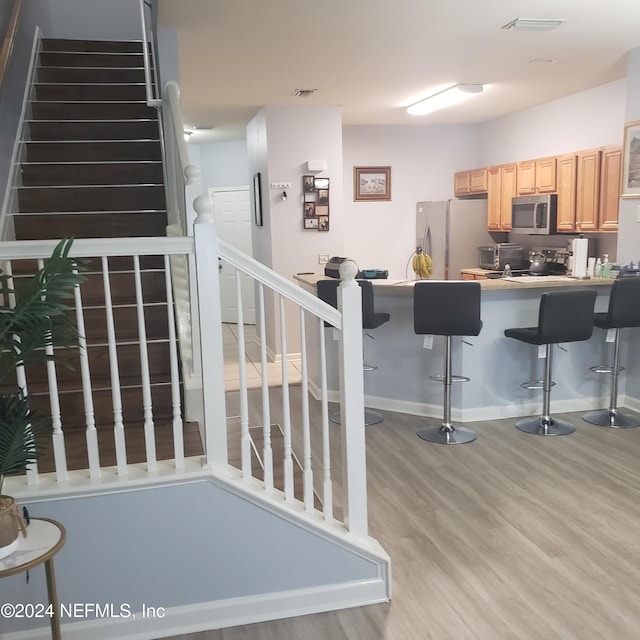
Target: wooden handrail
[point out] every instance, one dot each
(9, 39)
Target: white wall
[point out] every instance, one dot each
(423, 159)
(583, 120)
(223, 164)
(280, 142)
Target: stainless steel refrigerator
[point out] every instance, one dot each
(451, 231)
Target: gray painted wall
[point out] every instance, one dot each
(172, 546)
(33, 13)
(95, 19)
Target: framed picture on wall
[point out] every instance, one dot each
(631, 161)
(371, 183)
(257, 200)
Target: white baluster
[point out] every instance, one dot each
(178, 437)
(147, 403)
(93, 449)
(352, 402)
(286, 412)
(267, 451)
(116, 395)
(327, 488)
(57, 436)
(21, 377)
(306, 428)
(245, 438)
(215, 418)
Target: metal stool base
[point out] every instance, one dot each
(447, 435)
(440, 377)
(370, 417)
(545, 426)
(611, 418)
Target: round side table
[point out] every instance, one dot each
(44, 539)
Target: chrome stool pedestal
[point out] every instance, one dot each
(623, 311)
(563, 316)
(447, 309)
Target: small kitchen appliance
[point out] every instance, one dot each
(497, 256)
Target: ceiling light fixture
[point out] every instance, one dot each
(445, 98)
(534, 24)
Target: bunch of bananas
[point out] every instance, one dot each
(422, 264)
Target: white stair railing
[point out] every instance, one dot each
(298, 450)
(306, 438)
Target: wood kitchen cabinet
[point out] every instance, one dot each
(536, 176)
(588, 190)
(470, 182)
(501, 188)
(567, 166)
(610, 179)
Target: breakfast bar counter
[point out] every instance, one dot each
(496, 365)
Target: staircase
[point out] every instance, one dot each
(92, 168)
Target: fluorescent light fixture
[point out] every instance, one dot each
(445, 98)
(534, 24)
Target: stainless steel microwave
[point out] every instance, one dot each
(534, 215)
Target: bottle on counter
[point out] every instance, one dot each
(506, 273)
(605, 271)
(598, 269)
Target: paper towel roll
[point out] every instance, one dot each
(580, 250)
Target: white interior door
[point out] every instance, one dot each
(232, 214)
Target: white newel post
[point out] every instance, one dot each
(206, 252)
(352, 402)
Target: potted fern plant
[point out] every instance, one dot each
(38, 319)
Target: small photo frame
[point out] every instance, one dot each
(323, 223)
(311, 223)
(309, 209)
(323, 196)
(257, 200)
(322, 210)
(321, 183)
(308, 183)
(371, 184)
(631, 161)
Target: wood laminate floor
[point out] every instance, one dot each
(512, 537)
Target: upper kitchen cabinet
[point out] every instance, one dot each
(567, 167)
(610, 179)
(536, 176)
(501, 188)
(588, 190)
(470, 182)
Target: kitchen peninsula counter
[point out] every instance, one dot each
(496, 365)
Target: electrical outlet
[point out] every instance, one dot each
(281, 185)
(323, 258)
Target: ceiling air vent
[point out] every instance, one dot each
(303, 93)
(534, 24)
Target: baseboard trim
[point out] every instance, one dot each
(473, 414)
(220, 614)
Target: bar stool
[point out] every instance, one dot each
(623, 312)
(328, 292)
(563, 316)
(447, 309)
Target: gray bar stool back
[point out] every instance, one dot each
(563, 316)
(328, 292)
(623, 312)
(447, 309)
